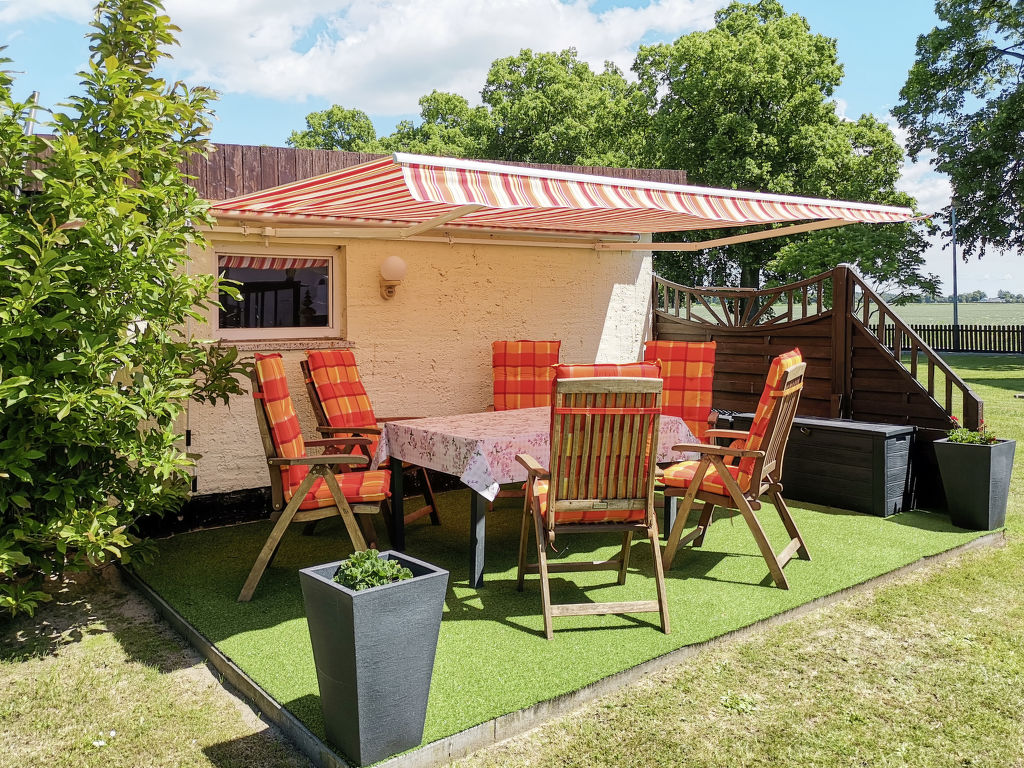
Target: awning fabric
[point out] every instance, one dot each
(406, 190)
(259, 262)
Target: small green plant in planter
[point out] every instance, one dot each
(365, 570)
(975, 467)
(981, 436)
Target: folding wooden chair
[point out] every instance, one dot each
(604, 443)
(740, 485)
(342, 408)
(523, 371)
(688, 370)
(307, 483)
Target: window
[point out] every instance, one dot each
(281, 296)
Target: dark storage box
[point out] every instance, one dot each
(852, 465)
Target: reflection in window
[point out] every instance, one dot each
(276, 292)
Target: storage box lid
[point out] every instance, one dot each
(842, 425)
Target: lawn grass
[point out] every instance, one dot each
(928, 671)
(975, 313)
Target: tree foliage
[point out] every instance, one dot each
(336, 128)
(94, 294)
(963, 102)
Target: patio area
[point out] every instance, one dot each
(492, 657)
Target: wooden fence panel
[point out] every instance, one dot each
(999, 339)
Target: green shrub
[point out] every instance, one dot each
(963, 435)
(95, 369)
(364, 570)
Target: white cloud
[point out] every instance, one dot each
(382, 56)
(13, 11)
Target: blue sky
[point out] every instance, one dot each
(274, 62)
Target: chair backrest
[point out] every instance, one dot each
(688, 369)
(773, 419)
(279, 425)
(336, 392)
(604, 442)
(523, 373)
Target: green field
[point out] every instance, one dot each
(969, 314)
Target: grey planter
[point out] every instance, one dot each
(374, 653)
(976, 481)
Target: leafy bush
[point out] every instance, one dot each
(364, 570)
(95, 368)
(963, 435)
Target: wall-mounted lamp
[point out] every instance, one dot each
(392, 272)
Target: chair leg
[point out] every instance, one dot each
(703, 523)
(345, 511)
(428, 495)
(274, 539)
(743, 505)
(524, 535)
(309, 528)
(787, 520)
(672, 544)
(627, 541)
(659, 575)
(369, 532)
(542, 567)
(385, 509)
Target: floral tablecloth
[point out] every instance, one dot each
(480, 448)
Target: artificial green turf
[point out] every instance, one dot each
(492, 657)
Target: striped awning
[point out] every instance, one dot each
(407, 190)
(261, 262)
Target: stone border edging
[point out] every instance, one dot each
(460, 744)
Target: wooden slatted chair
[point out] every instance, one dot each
(604, 443)
(305, 488)
(740, 485)
(342, 408)
(688, 370)
(523, 371)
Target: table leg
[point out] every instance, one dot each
(671, 505)
(397, 502)
(477, 532)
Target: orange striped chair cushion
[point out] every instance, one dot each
(645, 370)
(341, 391)
(688, 368)
(289, 443)
(681, 475)
(369, 486)
(766, 405)
(523, 373)
(571, 516)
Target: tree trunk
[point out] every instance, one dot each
(750, 276)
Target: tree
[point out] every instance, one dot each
(553, 108)
(94, 367)
(337, 128)
(747, 105)
(449, 128)
(963, 102)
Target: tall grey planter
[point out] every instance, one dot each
(374, 653)
(976, 481)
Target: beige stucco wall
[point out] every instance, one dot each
(427, 351)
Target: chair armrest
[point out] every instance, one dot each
(714, 450)
(348, 430)
(532, 466)
(329, 460)
(730, 434)
(336, 441)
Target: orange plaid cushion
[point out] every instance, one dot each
(523, 373)
(646, 370)
(356, 486)
(284, 423)
(766, 405)
(570, 516)
(681, 475)
(688, 368)
(341, 391)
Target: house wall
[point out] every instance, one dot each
(427, 351)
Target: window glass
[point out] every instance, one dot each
(276, 292)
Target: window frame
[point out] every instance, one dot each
(335, 328)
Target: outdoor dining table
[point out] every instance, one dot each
(480, 449)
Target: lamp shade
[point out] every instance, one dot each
(393, 268)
